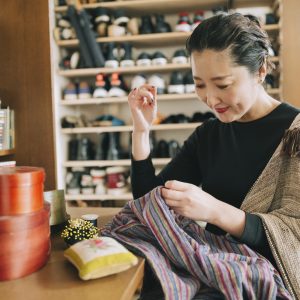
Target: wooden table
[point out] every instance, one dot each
(59, 279)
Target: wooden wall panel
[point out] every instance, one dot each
(291, 51)
(25, 81)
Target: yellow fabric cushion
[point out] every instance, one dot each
(99, 257)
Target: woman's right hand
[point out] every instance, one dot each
(143, 106)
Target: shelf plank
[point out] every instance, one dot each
(123, 100)
(128, 128)
(149, 40)
(7, 152)
(122, 70)
(161, 6)
(110, 163)
(164, 97)
(126, 196)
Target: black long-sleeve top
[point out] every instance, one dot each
(225, 159)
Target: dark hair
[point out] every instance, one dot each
(242, 35)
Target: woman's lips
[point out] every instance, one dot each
(221, 110)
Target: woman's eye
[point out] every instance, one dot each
(200, 86)
(223, 87)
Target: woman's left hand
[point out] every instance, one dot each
(190, 201)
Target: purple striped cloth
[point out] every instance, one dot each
(188, 259)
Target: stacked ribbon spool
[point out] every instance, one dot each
(24, 222)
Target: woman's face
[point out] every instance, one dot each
(229, 90)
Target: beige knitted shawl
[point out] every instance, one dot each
(275, 197)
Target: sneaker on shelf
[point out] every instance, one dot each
(99, 178)
(101, 87)
(84, 91)
(176, 85)
(158, 81)
(117, 86)
(198, 18)
(69, 122)
(65, 63)
(138, 80)
(146, 25)
(180, 57)
(126, 59)
(162, 149)
(133, 26)
(102, 146)
(159, 59)
(86, 182)
(70, 92)
(85, 149)
(101, 21)
(161, 25)
(270, 18)
(184, 23)
(73, 149)
(189, 85)
(114, 152)
(116, 30)
(64, 22)
(73, 178)
(75, 60)
(108, 120)
(116, 180)
(174, 148)
(66, 33)
(120, 18)
(111, 59)
(144, 59)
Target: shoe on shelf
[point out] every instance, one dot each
(64, 22)
(174, 148)
(144, 59)
(67, 33)
(116, 30)
(161, 25)
(99, 178)
(181, 118)
(73, 179)
(159, 59)
(126, 58)
(162, 149)
(189, 85)
(269, 82)
(120, 18)
(184, 23)
(158, 81)
(86, 183)
(75, 60)
(65, 63)
(198, 117)
(69, 122)
(113, 152)
(138, 80)
(108, 120)
(198, 18)
(73, 149)
(118, 87)
(85, 149)
(176, 85)
(270, 18)
(180, 57)
(146, 25)
(101, 21)
(133, 26)
(84, 91)
(101, 87)
(116, 180)
(111, 53)
(70, 92)
(102, 146)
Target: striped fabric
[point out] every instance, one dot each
(187, 258)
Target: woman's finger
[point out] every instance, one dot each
(173, 203)
(177, 185)
(171, 194)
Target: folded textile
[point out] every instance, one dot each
(187, 258)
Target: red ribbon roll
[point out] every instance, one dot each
(21, 190)
(25, 243)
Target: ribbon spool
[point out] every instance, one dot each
(21, 190)
(25, 243)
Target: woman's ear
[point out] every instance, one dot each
(262, 73)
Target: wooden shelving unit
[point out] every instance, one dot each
(172, 39)
(128, 128)
(7, 152)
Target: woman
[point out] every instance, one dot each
(226, 155)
